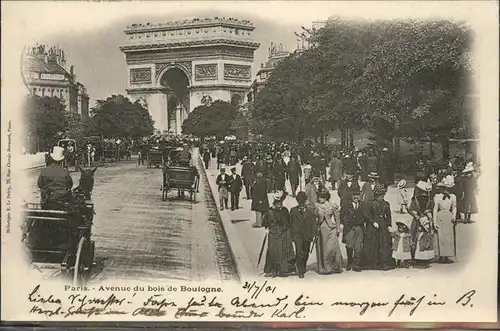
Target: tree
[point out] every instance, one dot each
(242, 123)
(212, 119)
(45, 119)
(117, 116)
(281, 108)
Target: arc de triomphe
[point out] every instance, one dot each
(176, 66)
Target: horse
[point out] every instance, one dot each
(86, 182)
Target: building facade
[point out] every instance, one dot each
(45, 75)
(178, 65)
(277, 53)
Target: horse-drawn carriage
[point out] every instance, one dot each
(71, 153)
(179, 176)
(110, 153)
(61, 239)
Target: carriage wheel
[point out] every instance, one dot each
(80, 275)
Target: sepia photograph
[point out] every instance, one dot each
(250, 161)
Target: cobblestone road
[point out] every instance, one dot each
(140, 237)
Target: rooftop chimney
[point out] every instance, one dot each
(71, 68)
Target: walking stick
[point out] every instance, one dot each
(262, 249)
(455, 238)
(312, 246)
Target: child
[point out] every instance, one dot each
(402, 196)
(401, 250)
(424, 252)
(307, 172)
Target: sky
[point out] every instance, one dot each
(91, 32)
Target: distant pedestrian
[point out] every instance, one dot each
(312, 190)
(368, 186)
(307, 172)
(403, 201)
(294, 173)
(223, 181)
(235, 186)
(248, 176)
(469, 205)
(346, 187)
(335, 171)
(303, 229)
(260, 201)
(206, 158)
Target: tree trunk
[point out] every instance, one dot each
(343, 138)
(445, 148)
(351, 137)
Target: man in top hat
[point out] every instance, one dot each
(353, 216)
(248, 176)
(294, 173)
(55, 182)
(235, 186)
(303, 229)
(369, 186)
(223, 181)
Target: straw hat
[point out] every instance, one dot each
(424, 186)
(448, 182)
(373, 175)
(402, 183)
(469, 167)
(57, 153)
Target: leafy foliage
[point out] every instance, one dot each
(117, 116)
(212, 119)
(403, 79)
(45, 119)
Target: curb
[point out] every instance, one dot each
(240, 257)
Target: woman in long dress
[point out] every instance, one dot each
(422, 236)
(377, 244)
(329, 258)
(280, 257)
(469, 205)
(445, 210)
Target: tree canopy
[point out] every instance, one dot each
(117, 116)
(211, 119)
(45, 119)
(403, 79)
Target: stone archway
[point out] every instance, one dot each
(176, 84)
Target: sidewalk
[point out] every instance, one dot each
(32, 161)
(246, 241)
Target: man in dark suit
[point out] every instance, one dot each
(353, 216)
(302, 230)
(235, 186)
(346, 186)
(248, 176)
(223, 180)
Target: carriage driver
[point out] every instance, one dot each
(185, 156)
(55, 182)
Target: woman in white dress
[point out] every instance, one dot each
(444, 214)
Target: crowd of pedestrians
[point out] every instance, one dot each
(444, 194)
